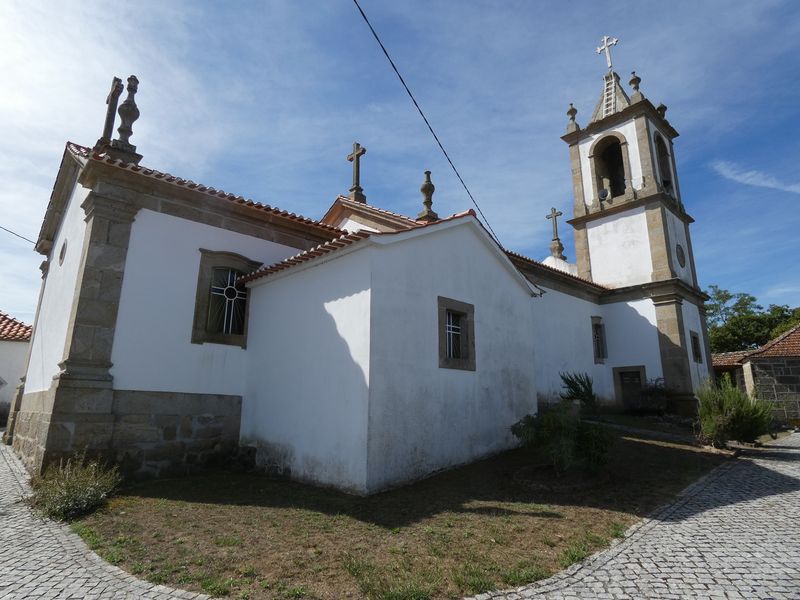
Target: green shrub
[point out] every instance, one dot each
(75, 487)
(727, 413)
(579, 386)
(564, 439)
(592, 445)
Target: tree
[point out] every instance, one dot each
(737, 322)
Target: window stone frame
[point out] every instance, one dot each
(210, 260)
(467, 312)
(697, 348)
(599, 359)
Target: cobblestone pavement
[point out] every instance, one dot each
(42, 559)
(733, 534)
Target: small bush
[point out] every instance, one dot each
(75, 487)
(564, 439)
(655, 399)
(727, 413)
(579, 386)
(592, 445)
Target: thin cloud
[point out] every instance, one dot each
(734, 172)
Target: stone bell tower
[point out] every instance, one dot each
(630, 223)
(631, 227)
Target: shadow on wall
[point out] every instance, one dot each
(494, 487)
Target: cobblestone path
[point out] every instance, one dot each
(41, 559)
(733, 534)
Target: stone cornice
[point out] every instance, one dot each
(370, 216)
(194, 205)
(643, 107)
(625, 205)
(59, 197)
(668, 291)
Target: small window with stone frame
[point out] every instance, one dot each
(220, 315)
(599, 340)
(456, 334)
(697, 353)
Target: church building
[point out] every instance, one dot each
(178, 324)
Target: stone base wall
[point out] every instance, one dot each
(145, 433)
(777, 379)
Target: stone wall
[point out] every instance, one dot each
(146, 433)
(777, 379)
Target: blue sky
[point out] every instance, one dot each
(265, 99)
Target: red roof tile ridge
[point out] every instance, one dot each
(554, 270)
(729, 359)
(85, 152)
(13, 330)
(323, 249)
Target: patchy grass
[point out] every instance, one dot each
(482, 527)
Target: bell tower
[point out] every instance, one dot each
(630, 223)
(631, 226)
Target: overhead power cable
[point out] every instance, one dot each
(18, 235)
(424, 118)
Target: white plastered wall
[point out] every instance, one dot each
(58, 296)
(305, 407)
(619, 249)
(12, 368)
(422, 417)
(152, 343)
(350, 225)
(692, 323)
(627, 129)
(563, 323)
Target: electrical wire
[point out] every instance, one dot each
(424, 118)
(18, 235)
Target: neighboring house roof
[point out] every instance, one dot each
(728, 359)
(786, 344)
(337, 244)
(12, 330)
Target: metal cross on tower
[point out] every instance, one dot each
(606, 47)
(356, 193)
(554, 214)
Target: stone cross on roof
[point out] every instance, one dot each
(606, 47)
(556, 247)
(356, 193)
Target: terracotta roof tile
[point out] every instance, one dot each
(541, 265)
(88, 153)
(729, 359)
(343, 241)
(12, 330)
(786, 344)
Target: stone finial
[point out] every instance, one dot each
(121, 148)
(356, 192)
(662, 110)
(111, 110)
(427, 188)
(634, 83)
(572, 125)
(556, 247)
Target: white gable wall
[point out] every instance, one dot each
(563, 334)
(422, 417)
(58, 295)
(152, 344)
(12, 368)
(305, 406)
(619, 249)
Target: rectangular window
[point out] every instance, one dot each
(456, 334)
(599, 340)
(220, 311)
(697, 353)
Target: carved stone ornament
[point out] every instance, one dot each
(427, 188)
(121, 148)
